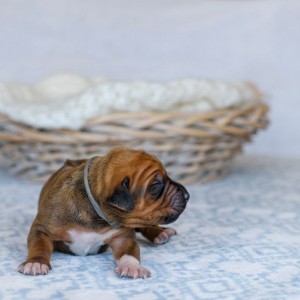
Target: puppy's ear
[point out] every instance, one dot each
(122, 198)
(74, 163)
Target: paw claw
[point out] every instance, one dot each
(129, 266)
(136, 271)
(34, 269)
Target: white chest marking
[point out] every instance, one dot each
(84, 243)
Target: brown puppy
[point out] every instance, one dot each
(88, 205)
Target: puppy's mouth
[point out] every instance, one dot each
(169, 219)
(178, 204)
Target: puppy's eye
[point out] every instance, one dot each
(156, 189)
(125, 182)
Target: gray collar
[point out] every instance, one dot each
(91, 198)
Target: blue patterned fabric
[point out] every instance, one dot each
(239, 238)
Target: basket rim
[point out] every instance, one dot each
(133, 123)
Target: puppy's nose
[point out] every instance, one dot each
(183, 190)
(186, 195)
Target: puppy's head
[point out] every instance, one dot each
(134, 190)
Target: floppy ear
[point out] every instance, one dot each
(74, 163)
(122, 198)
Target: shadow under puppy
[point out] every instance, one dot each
(88, 205)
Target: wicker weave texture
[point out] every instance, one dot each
(194, 147)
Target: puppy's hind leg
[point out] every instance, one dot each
(156, 234)
(40, 248)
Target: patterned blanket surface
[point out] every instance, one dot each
(239, 238)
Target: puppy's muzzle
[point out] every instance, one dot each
(178, 203)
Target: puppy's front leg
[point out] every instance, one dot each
(40, 248)
(156, 234)
(127, 255)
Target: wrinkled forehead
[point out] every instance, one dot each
(138, 165)
(147, 167)
(144, 157)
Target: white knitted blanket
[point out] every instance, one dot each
(69, 100)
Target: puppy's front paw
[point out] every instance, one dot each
(129, 266)
(133, 271)
(34, 268)
(164, 236)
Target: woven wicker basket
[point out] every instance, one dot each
(194, 147)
